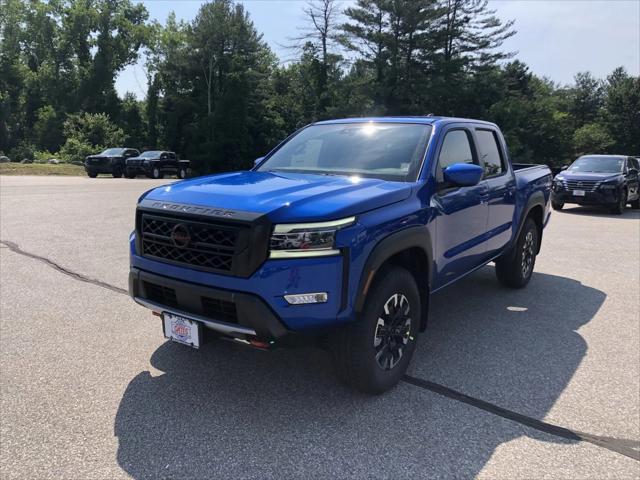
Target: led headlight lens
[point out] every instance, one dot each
(306, 239)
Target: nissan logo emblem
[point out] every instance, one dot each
(180, 236)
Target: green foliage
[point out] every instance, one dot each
(23, 150)
(218, 96)
(591, 138)
(87, 133)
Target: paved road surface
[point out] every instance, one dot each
(89, 388)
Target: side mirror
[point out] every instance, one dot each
(257, 161)
(563, 168)
(463, 174)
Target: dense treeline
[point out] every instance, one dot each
(217, 93)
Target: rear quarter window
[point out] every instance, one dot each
(490, 153)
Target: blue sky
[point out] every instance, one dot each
(556, 38)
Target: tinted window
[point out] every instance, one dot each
(601, 164)
(113, 151)
(489, 153)
(456, 148)
(391, 151)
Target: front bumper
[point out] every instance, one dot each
(259, 299)
(234, 314)
(597, 197)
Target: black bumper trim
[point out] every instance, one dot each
(252, 312)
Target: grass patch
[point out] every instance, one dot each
(14, 168)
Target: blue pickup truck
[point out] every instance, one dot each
(340, 233)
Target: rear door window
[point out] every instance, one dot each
(490, 153)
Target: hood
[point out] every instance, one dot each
(285, 197)
(586, 176)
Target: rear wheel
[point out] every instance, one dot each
(557, 205)
(619, 207)
(635, 204)
(130, 173)
(516, 268)
(156, 173)
(372, 354)
(92, 174)
(117, 172)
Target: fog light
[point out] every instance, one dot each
(304, 298)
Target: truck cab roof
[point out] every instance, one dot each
(424, 120)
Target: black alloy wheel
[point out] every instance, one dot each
(393, 331)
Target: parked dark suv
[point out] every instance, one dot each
(112, 161)
(156, 164)
(608, 180)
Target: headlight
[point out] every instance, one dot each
(306, 239)
(609, 186)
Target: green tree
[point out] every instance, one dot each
(47, 131)
(585, 99)
(591, 138)
(87, 133)
(622, 111)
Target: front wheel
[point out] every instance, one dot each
(557, 205)
(373, 353)
(618, 208)
(92, 174)
(117, 172)
(516, 268)
(156, 173)
(182, 173)
(635, 204)
(130, 173)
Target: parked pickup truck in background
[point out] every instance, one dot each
(157, 164)
(341, 232)
(608, 180)
(112, 161)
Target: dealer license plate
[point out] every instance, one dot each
(578, 193)
(181, 329)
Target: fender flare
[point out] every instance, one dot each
(417, 236)
(535, 200)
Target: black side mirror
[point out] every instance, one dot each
(563, 168)
(257, 161)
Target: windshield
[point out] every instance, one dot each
(597, 165)
(389, 151)
(151, 154)
(113, 151)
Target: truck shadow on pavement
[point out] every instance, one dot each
(233, 412)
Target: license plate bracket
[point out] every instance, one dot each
(579, 193)
(182, 329)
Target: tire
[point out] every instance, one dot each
(366, 356)
(92, 174)
(130, 173)
(618, 208)
(635, 204)
(156, 173)
(515, 270)
(117, 172)
(182, 173)
(557, 205)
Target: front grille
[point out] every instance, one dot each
(206, 246)
(160, 294)
(586, 185)
(219, 309)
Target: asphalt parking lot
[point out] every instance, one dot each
(90, 389)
